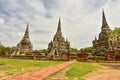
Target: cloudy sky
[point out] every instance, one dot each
(81, 20)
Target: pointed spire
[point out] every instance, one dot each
(26, 35)
(104, 22)
(51, 41)
(95, 38)
(59, 25)
(66, 40)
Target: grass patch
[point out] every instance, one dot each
(2, 64)
(73, 57)
(18, 66)
(79, 69)
(53, 76)
(75, 71)
(98, 57)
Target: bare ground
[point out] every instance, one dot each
(59, 75)
(109, 72)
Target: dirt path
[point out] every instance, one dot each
(40, 74)
(110, 72)
(59, 76)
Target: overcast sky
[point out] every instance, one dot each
(81, 20)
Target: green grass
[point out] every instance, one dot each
(98, 57)
(18, 66)
(79, 69)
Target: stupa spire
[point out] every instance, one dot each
(26, 35)
(104, 21)
(59, 26)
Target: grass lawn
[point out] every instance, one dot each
(12, 67)
(75, 71)
(98, 57)
(79, 69)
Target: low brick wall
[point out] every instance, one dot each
(65, 56)
(112, 55)
(24, 57)
(82, 56)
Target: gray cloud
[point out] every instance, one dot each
(81, 20)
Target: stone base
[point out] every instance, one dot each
(65, 56)
(51, 57)
(82, 57)
(112, 55)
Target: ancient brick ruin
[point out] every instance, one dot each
(24, 47)
(82, 56)
(58, 45)
(105, 44)
(112, 55)
(65, 56)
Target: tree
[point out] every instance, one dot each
(116, 31)
(86, 49)
(43, 50)
(74, 49)
(2, 50)
(6, 50)
(12, 49)
(112, 34)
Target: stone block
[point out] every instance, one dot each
(65, 56)
(82, 57)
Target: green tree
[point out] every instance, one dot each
(6, 50)
(116, 31)
(12, 49)
(74, 49)
(43, 50)
(112, 35)
(86, 49)
(2, 50)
